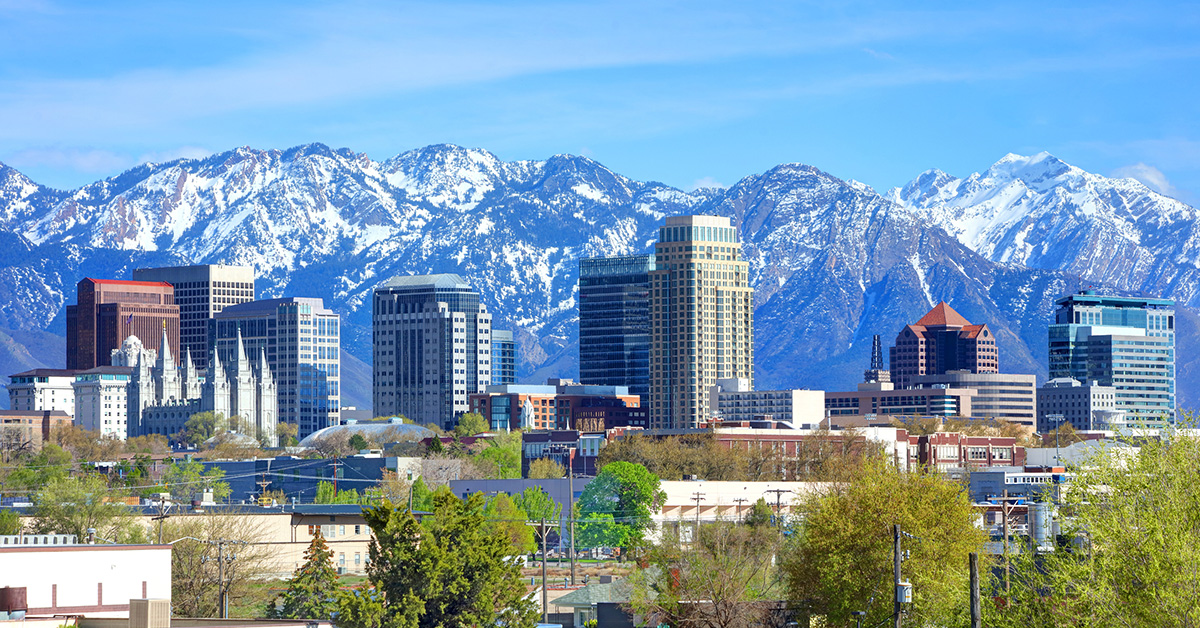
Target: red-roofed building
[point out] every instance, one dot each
(107, 311)
(942, 341)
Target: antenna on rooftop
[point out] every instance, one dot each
(876, 354)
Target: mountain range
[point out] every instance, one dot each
(833, 261)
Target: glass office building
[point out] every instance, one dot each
(433, 348)
(504, 358)
(301, 339)
(614, 322)
(1124, 342)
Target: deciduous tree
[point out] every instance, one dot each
(628, 492)
(470, 424)
(546, 468)
(73, 505)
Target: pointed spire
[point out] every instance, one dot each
(243, 362)
(165, 360)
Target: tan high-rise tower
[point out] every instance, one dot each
(702, 318)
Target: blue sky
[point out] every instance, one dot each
(680, 92)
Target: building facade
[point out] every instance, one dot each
(504, 358)
(432, 348)
(200, 292)
(101, 400)
(292, 345)
(559, 405)
(108, 311)
(1124, 342)
(804, 409)
(940, 342)
(702, 318)
(31, 427)
(614, 321)
(1001, 396)
(864, 406)
(41, 390)
(1085, 407)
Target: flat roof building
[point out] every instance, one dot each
(200, 292)
(107, 311)
(614, 321)
(1008, 397)
(861, 407)
(1085, 407)
(735, 402)
(42, 389)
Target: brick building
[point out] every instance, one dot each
(940, 342)
(107, 311)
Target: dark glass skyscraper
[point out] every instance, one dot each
(614, 322)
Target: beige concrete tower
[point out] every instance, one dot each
(702, 318)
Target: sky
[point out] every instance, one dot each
(687, 93)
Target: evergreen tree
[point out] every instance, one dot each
(312, 590)
(760, 514)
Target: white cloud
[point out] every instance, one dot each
(878, 55)
(707, 182)
(1150, 176)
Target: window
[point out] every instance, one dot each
(341, 530)
(342, 559)
(358, 529)
(357, 559)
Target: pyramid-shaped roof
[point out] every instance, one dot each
(943, 315)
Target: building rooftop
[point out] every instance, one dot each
(1088, 297)
(443, 280)
(942, 315)
(270, 306)
(46, 373)
(126, 282)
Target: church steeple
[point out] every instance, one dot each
(166, 362)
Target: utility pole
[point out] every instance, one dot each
(976, 614)
(222, 560)
(571, 507)
(1006, 506)
(778, 504)
(699, 497)
(545, 599)
(739, 501)
(896, 574)
(162, 515)
(335, 475)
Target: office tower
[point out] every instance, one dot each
(504, 358)
(1008, 397)
(101, 395)
(107, 311)
(1124, 342)
(292, 344)
(1083, 406)
(942, 341)
(614, 322)
(432, 338)
(702, 318)
(200, 292)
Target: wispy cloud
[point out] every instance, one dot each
(707, 182)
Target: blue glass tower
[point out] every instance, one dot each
(614, 322)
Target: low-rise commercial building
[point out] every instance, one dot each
(1085, 407)
(1008, 397)
(874, 402)
(68, 578)
(559, 405)
(31, 427)
(101, 400)
(735, 401)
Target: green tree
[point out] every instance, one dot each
(601, 530)
(546, 469)
(628, 492)
(326, 495)
(52, 462)
(312, 590)
(185, 479)
(470, 424)
(842, 558)
(449, 571)
(507, 519)
(72, 505)
(422, 497)
(502, 456)
(202, 426)
(287, 433)
(358, 443)
(760, 514)
(10, 522)
(537, 504)
(1130, 554)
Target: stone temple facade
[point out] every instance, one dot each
(163, 395)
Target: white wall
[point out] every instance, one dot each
(95, 579)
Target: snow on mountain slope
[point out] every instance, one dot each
(1042, 212)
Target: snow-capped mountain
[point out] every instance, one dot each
(833, 261)
(1041, 212)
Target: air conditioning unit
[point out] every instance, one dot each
(150, 613)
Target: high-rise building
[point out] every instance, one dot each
(702, 318)
(1083, 406)
(298, 340)
(101, 395)
(940, 342)
(614, 321)
(200, 292)
(504, 358)
(1124, 342)
(432, 339)
(107, 311)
